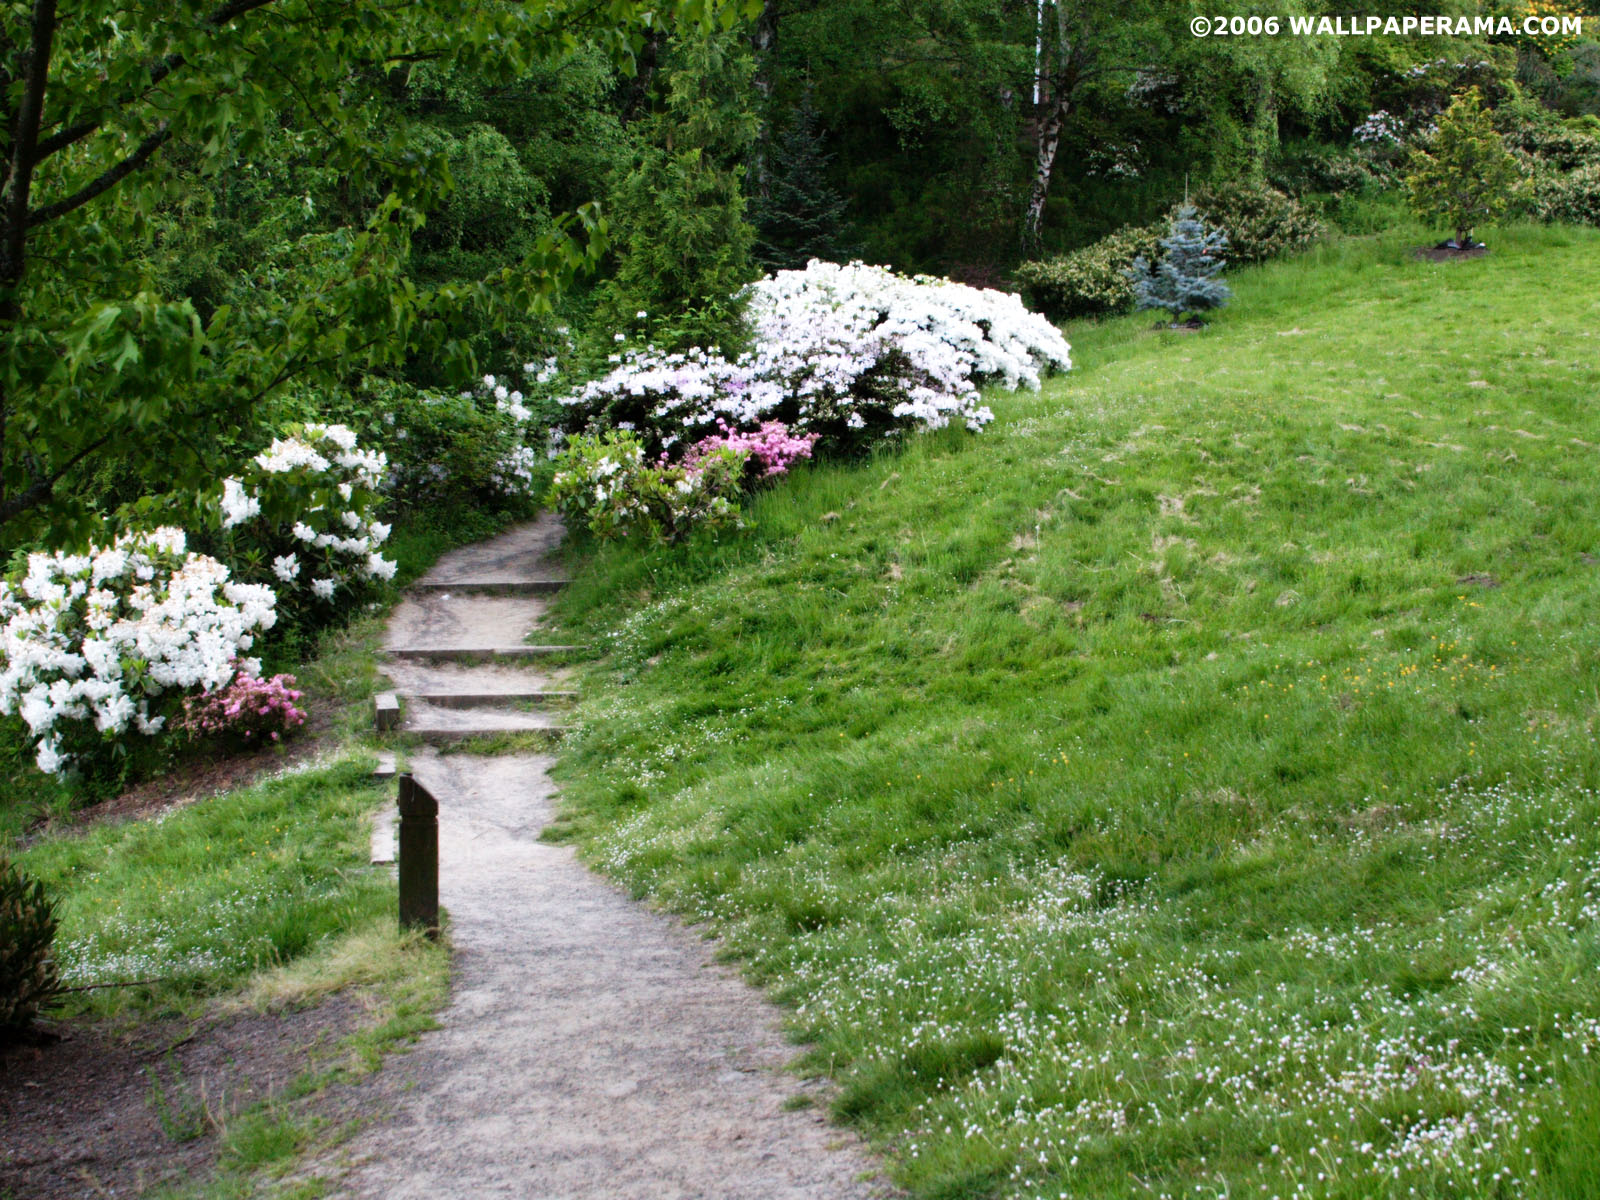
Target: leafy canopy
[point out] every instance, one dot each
(102, 367)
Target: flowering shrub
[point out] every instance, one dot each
(90, 643)
(771, 449)
(249, 709)
(848, 354)
(606, 481)
(1091, 280)
(302, 517)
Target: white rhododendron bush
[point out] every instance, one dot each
(849, 354)
(302, 516)
(94, 646)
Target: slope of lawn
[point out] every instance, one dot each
(1188, 786)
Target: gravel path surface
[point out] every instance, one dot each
(591, 1048)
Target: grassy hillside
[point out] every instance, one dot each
(1188, 786)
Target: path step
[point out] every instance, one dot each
(469, 654)
(490, 699)
(490, 587)
(439, 725)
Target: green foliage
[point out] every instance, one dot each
(798, 215)
(1259, 221)
(1573, 196)
(446, 449)
(495, 209)
(678, 213)
(1468, 177)
(106, 371)
(605, 481)
(28, 978)
(1093, 280)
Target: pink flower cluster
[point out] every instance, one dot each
(772, 448)
(249, 708)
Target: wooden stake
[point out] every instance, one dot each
(419, 857)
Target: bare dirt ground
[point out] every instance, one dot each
(103, 1112)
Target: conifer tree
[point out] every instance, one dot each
(799, 215)
(678, 213)
(1187, 279)
(1470, 176)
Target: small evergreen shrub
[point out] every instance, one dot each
(1466, 177)
(28, 976)
(1259, 222)
(1186, 280)
(1093, 280)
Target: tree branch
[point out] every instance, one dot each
(63, 138)
(105, 181)
(24, 144)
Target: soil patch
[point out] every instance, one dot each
(1449, 253)
(116, 1111)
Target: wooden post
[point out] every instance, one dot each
(419, 857)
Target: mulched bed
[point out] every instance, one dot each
(1444, 253)
(107, 1112)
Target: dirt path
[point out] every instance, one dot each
(591, 1049)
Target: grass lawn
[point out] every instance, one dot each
(1186, 788)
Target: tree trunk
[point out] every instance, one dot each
(17, 190)
(763, 41)
(1047, 140)
(1263, 128)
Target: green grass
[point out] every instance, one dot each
(207, 896)
(1188, 786)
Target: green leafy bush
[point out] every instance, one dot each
(446, 449)
(1558, 145)
(27, 936)
(1573, 196)
(1260, 222)
(1092, 280)
(605, 481)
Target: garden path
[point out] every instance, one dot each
(591, 1048)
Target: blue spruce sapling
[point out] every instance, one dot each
(1187, 279)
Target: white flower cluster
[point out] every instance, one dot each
(335, 535)
(1381, 128)
(88, 640)
(847, 352)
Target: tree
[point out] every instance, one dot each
(799, 216)
(1469, 177)
(1081, 44)
(1186, 279)
(680, 233)
(101, 369)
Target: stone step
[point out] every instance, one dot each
(415, 677)
(472, 654)
(489, 587)
(489, 699)
(429, 619)
(439, 725)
